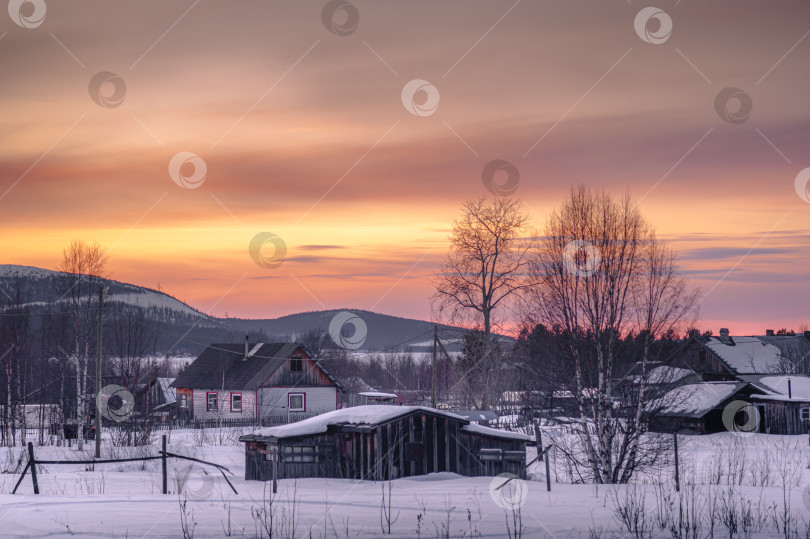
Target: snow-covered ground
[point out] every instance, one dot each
(721, 475)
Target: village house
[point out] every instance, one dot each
(254, 380)
(760, 371)
(382, 442)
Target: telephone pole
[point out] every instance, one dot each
(98, 372)
(433, 384)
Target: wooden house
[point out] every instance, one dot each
(382, 442)
(252, 380)
(698, 408)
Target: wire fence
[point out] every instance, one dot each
(63, 471)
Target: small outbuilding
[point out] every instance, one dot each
(382, 442)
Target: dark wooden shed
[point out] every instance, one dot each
(381, 442)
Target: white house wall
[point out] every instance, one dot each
(223, 404)
(318, 399)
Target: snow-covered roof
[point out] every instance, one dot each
(777, 387)
(371, 414)
(695, 400)
(477, 415)
(169, 393)
(667, 375)
(747, 355)
(368, 415)
(487, 431)
(378, 394)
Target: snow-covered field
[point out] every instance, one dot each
(726, 481)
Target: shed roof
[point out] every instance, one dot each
(696, 400)
(366, 416)
(477, 415)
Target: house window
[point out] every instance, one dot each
(296, 365)
(236, 402)
(805, 414)
(296, 402)
(183, 400)
(211, 401)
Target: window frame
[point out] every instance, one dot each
(236, 394)
(184, 400)
(208, 401)
(804, 411)
(298, 362)
(303, 402)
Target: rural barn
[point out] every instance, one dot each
(381, 442)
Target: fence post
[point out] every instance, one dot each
(677, 478)
(33, 464)
(538, 438)
(163, 462)
(275, 470)
(548, 473)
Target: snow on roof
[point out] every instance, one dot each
(477, 415)
(169, 393)
(695, 400)
(487, 431)
(748, 355)
(371, 414)
(378, 394)
(667, 375)
(799, 387)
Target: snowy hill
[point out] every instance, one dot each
(182, 329)
(46, 286)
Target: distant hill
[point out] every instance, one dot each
(383, 331)
(183, 329)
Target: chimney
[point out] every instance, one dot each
(769, 333)
(724, 333)
(247, 348)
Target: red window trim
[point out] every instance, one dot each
(241, 403)
(304, 400)
(207, 402)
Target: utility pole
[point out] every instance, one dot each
(433, 385)
(98, 373)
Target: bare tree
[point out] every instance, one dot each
(84, 264)
(487, 264)
(604, 275)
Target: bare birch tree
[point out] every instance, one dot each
(84, 264)
(604, 274)
(487, 264)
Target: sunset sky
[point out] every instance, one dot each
(305, 134)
